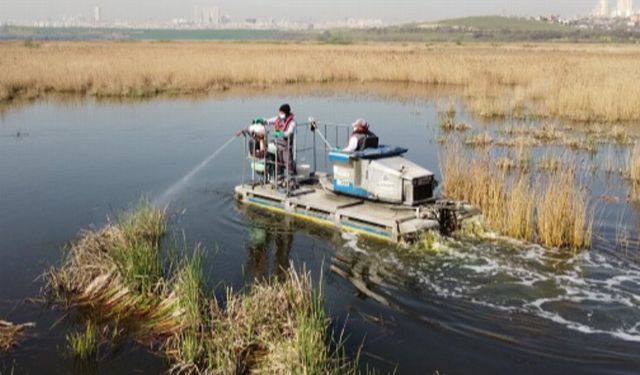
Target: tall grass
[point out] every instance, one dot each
(563, 218)
(633, 172)
(83, 344)
(117, 282)
(519, 210)
(551, 211)
(595, 83)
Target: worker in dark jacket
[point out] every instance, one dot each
(361, 137)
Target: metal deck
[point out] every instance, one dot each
(382, 221)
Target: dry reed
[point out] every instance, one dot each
(562, 211)
(479, 140)
(595, 83)
(552, 212)
(11, 334)
(633, 173)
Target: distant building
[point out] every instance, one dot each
(97, 14)
(602, 9)
(625, 8)
(196, 15)
(214, 16)
(208, 16)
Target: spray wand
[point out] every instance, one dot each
(313, 125)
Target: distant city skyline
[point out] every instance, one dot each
(305, 10)
(606, 8)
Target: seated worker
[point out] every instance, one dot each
(285, 125)
(361, 138)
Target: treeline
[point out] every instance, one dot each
(456, 34)
(407, 33)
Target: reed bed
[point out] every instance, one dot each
(552, 211)
(115, 280)
(589, 83)
(562, 213)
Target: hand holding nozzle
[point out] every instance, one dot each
(314, 128)
(313, 125)
(256, 121)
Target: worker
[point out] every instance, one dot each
(285, 125)
(361, 138)
(257, 142)
(257, 133)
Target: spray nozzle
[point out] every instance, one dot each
(312, 124)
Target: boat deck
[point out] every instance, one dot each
(311, 202)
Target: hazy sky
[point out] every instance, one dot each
(387, 10)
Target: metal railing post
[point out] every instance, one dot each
(315, 156)
(253, 164)
(244, 155)
(288, 161)
(326, 149)
(265, 173)
(295, 143)
(275, 181)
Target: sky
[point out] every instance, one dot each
(391, 11)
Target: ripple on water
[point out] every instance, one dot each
(590, 292)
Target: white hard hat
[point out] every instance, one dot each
(360, 123)
(257, 129)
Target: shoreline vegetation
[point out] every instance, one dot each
(467, 29)
(592, 83)
(119, 286)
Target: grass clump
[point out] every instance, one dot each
(114, 274)
(11, 334)
(479, 140)
(277, 327)
(447, 118)
(563, 220)
(83, 344)
(552, 212)
(114, 279)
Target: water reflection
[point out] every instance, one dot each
(269, 245)
(404, 93)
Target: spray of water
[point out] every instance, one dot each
(167, 196)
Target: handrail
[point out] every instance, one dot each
(271, 166)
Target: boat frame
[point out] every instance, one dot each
(308, 200)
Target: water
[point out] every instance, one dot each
(179, 185)
(481, 307)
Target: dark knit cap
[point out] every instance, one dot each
(286, 109)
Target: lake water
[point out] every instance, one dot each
(481, 307)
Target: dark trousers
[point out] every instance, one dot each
(285, 157)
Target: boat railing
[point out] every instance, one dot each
(312, 142)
